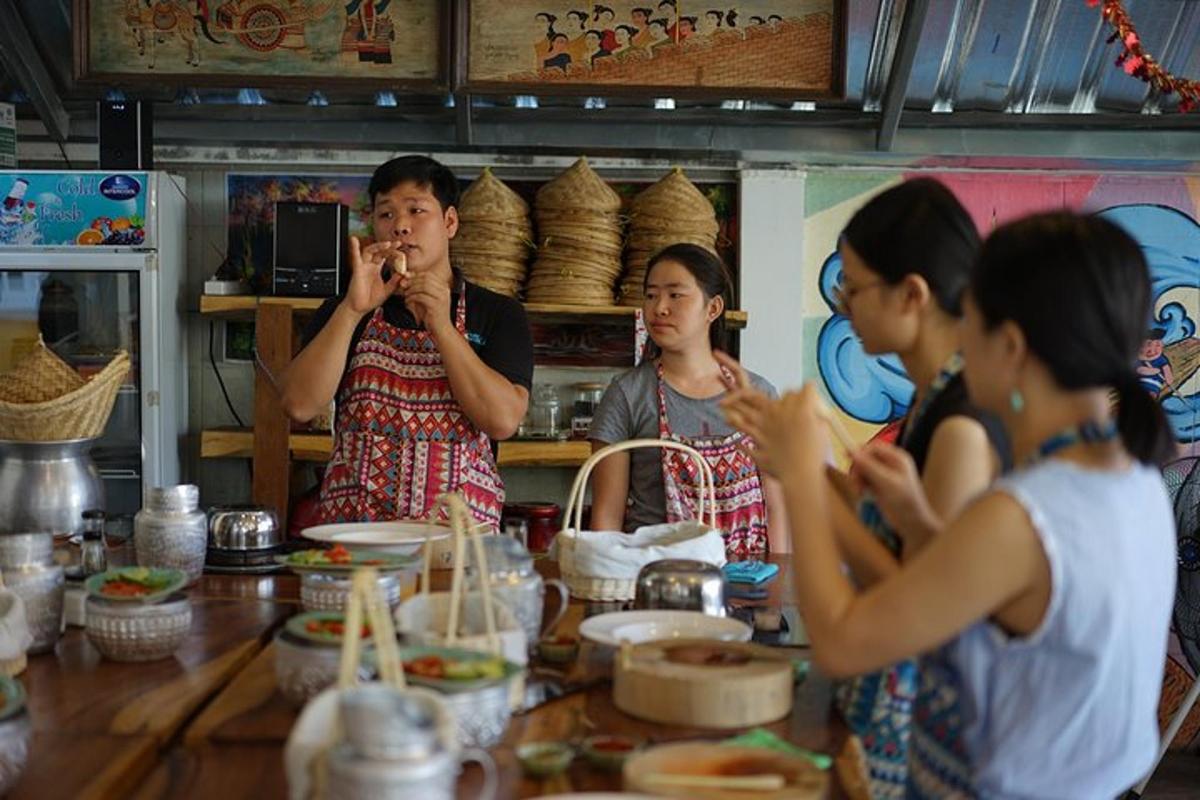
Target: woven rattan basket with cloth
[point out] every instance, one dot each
(579, 240)
(79, 410)
(672, 211)
(495, 236)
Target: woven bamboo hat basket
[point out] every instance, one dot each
(672, 211)
(495, 236)
(43, 399)
(579, 240)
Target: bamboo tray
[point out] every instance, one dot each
(703, 683)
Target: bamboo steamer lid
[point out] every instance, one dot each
(488, 198)
(578, 187)
(703, 683)
(802, 779)
(674, 197)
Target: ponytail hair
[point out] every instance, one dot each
(1141, 422)
(1079, 289)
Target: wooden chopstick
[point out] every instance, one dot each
(747, 783)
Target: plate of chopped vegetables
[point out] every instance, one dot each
(325, 627)
(451, 670)
(136, 584)
(339, 559)
(12, 697)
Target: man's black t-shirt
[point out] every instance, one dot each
(497, 329)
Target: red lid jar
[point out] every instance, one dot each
(541, 519)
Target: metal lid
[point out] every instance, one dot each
(94, 513)
(184, 497)
(506, 557)
(382, 722)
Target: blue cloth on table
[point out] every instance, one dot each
(750, 571)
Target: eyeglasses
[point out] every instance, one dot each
(842, 297)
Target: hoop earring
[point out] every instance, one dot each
(1016, 401)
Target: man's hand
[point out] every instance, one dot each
(428, 298)
(368, 290)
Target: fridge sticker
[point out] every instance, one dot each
(79, 208)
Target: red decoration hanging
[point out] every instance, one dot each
(1140, 64)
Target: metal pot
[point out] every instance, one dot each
(125, 631)
(25, 549)
(15, 733)
(243, 527)
(171, 530)
(46, 486)
(681, 584)
(392, 750)
(517, 584)
(40, 587)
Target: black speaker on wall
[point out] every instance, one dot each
(126, 132)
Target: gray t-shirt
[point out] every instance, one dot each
(629, 410)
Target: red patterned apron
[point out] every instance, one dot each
(401, 437)
(741, 509)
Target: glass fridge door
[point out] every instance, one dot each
(84, 316)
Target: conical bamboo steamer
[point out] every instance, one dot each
(495, 236)
(579, 240)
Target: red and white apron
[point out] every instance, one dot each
(402, 439)
(741, 509)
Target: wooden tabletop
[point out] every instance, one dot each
(100, 725)
(209, 722)
(244, 729)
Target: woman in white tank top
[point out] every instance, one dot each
(1040, 613)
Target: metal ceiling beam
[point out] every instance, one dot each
(21, 60)
(901, 71)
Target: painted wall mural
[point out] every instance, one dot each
(1159, 211)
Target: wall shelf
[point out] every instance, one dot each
(244, 306)
(239, 443)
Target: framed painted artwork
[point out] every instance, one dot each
(400, 44)
(779, 49)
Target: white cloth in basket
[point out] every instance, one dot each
(612, 554)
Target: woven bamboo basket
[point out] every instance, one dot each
(39, 376)
(81, 413)
(495, 236)
(672, 211)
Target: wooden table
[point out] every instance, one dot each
(100, 726)
(242, 732)
(209, 722)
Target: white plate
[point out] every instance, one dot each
(402, 537)
(647, 626)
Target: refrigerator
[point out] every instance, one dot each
(94, 262)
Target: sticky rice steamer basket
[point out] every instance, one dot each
(494, 628)
(571, 549)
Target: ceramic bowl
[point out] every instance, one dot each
(544, 759)
(609, 751)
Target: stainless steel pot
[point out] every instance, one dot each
(40, 587)
(46, 486)
(24, 549)
(681, 584)
(243, 527)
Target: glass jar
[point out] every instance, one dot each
(172, 531)
(545, 412)
(93, 557)
(587, 398)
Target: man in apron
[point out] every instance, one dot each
(428, 370)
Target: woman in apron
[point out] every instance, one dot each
(674, 395)
(1040, 612)
(906, 258)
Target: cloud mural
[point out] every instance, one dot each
(870, 388)
(1170, 240)
(875, 389)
